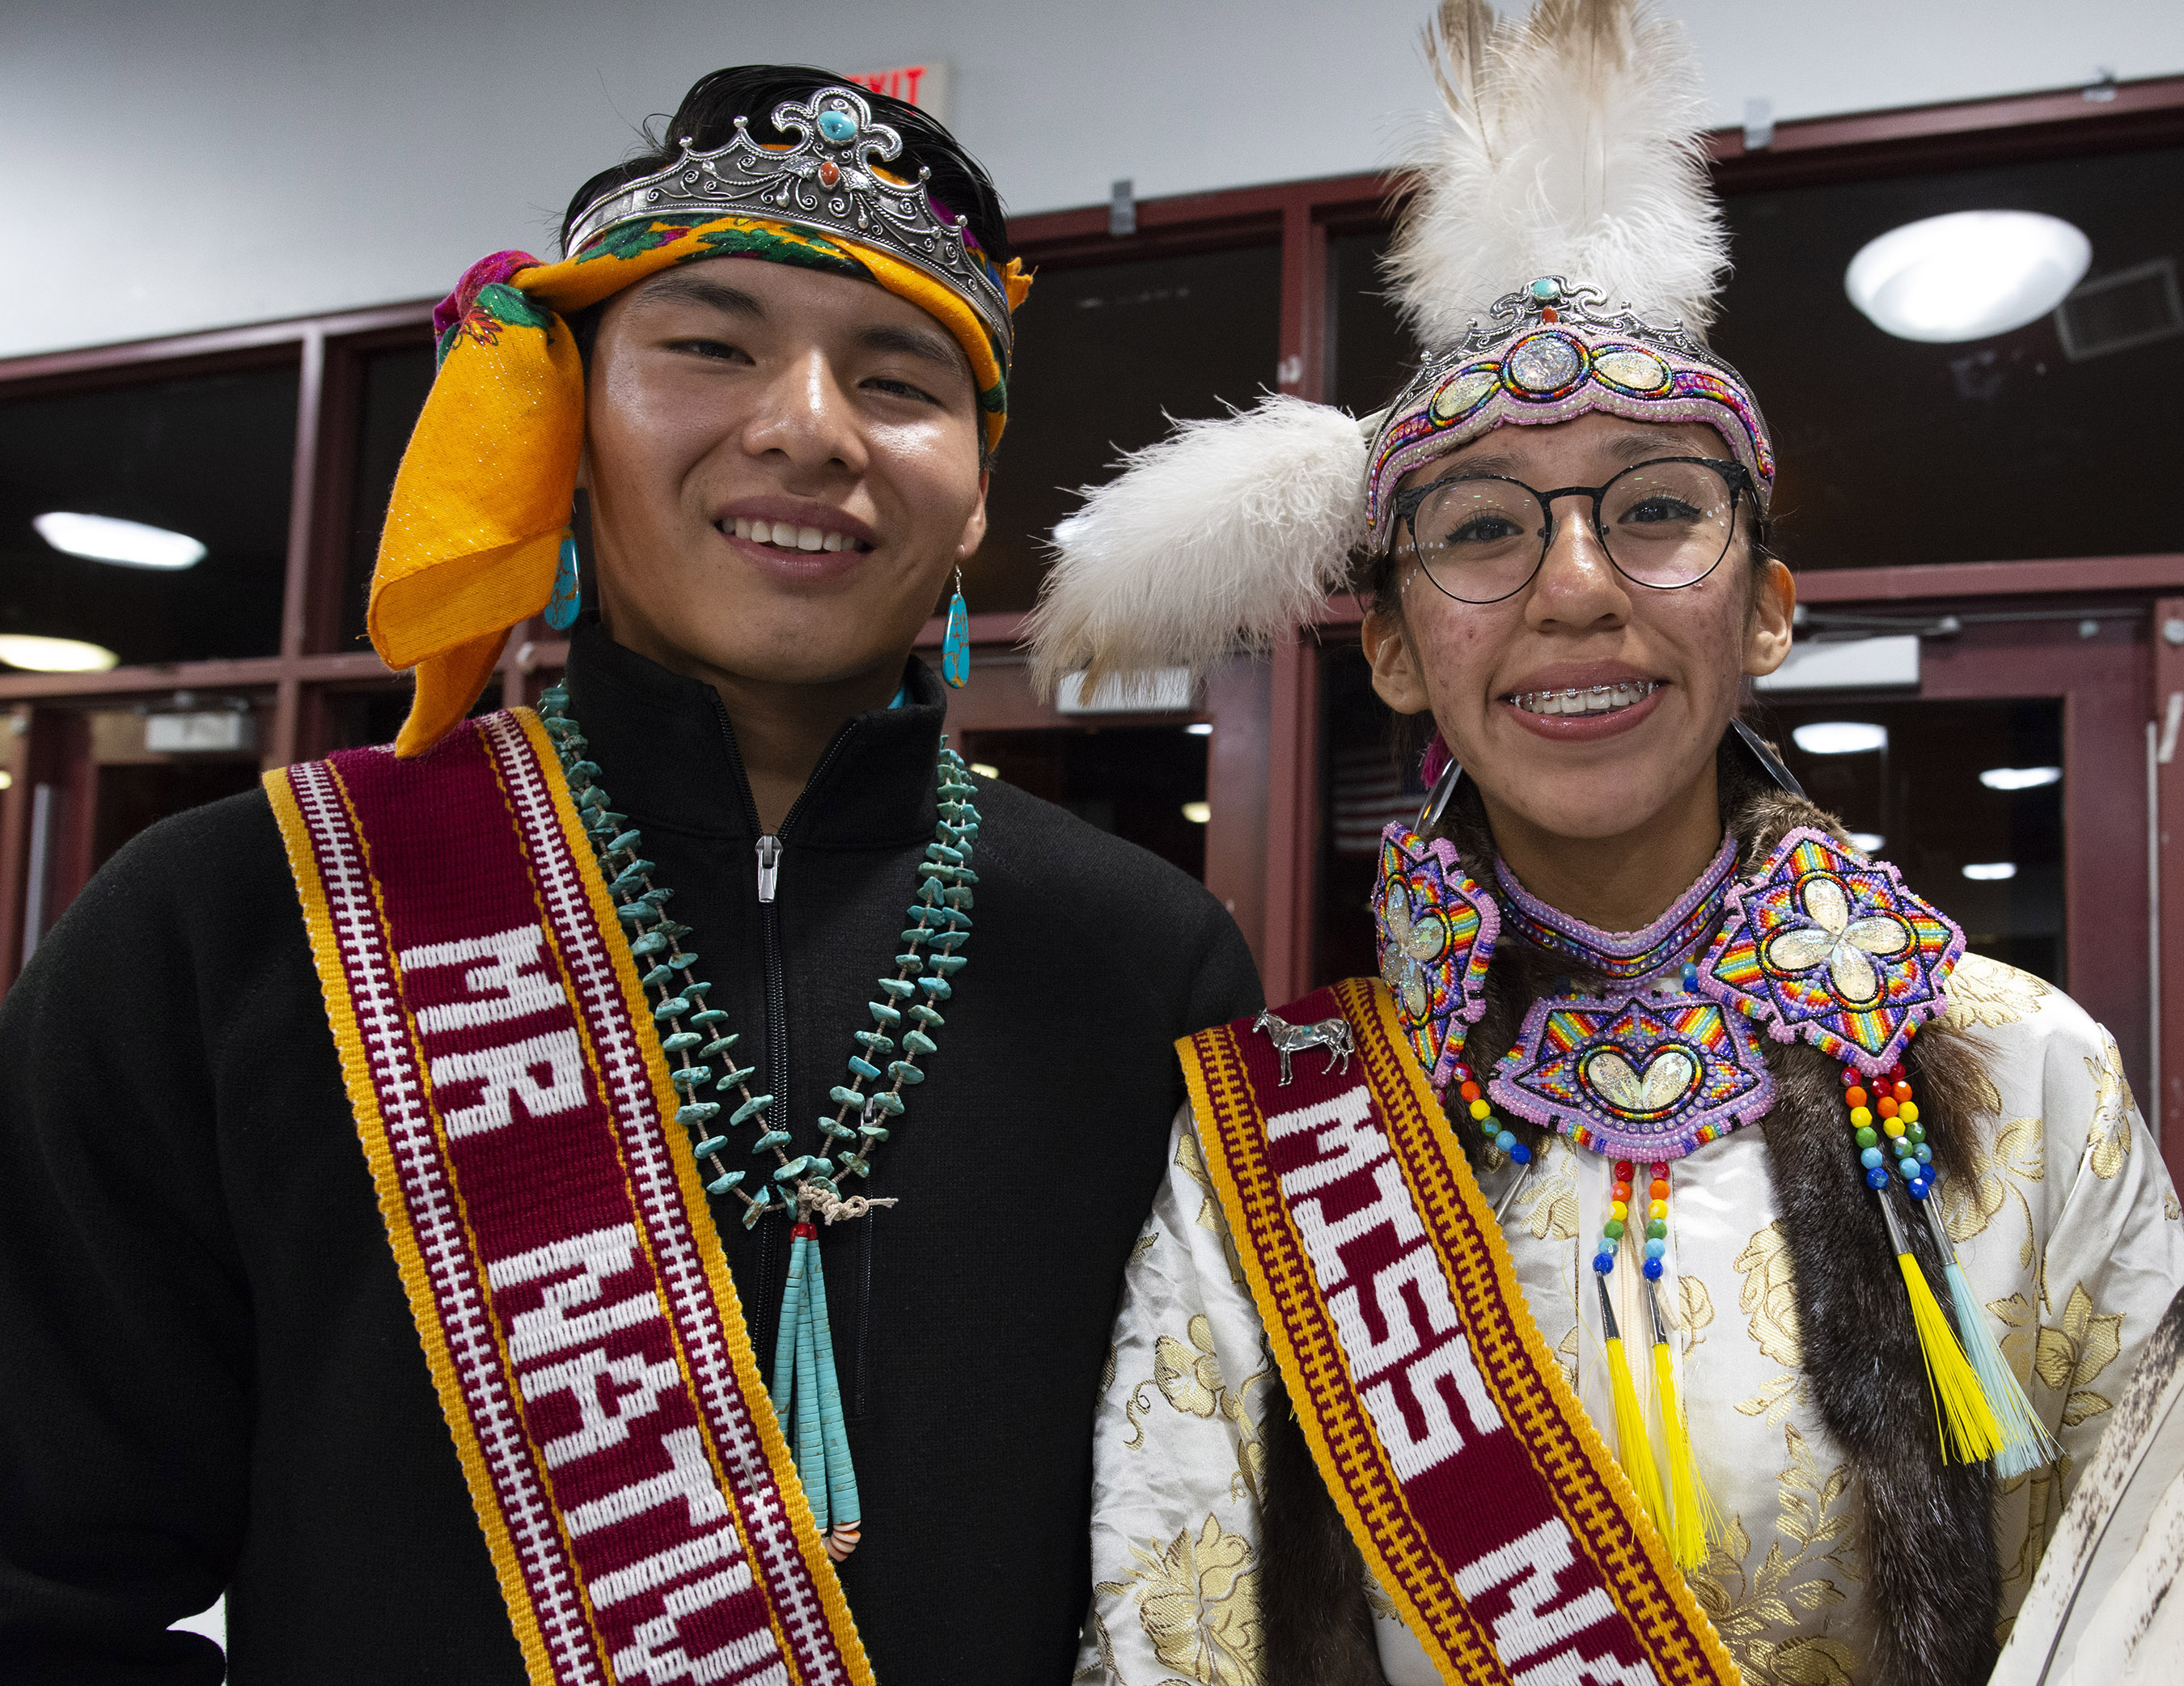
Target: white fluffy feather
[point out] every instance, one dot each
(1227, 533)
(1569, 145)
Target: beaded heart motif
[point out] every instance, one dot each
(1825, 946)
(1434, 935)
(1634, 1076)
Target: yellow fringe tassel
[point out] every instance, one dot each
(1694, 1520)
(1969, 1433)
(1634, 1446)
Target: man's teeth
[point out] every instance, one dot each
(1590, 699)
(785, 535)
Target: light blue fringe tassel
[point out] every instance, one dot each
(2026, 1444)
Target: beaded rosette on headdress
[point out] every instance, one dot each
(1435, 935)
(1825, 945)
(1548, 354)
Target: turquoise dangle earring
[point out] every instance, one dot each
(568, 601)
(956, 645)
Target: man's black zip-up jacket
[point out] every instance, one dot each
(209, 1378)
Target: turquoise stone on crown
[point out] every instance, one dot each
(1546, 289)
(837, 126)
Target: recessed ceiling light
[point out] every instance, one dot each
(1202, 728)
(1198, 814)
(54, 655)
(108, 539)
(1840, 737)
(2020, 777)
(1986, 871)
(985, 769)
(1867, 842)
(7, 779)
(1969, 275)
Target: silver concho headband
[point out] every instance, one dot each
(827, 182)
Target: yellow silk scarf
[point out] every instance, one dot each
(473, 529)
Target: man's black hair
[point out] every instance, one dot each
(959, 185)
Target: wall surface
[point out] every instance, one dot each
(170, 166)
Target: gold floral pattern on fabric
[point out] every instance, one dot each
(2108, 1142)
(1191, 1160)
(2070, 1354)
(1688, 1310)
(1190, 1378)
(1550, 1207)
(1759, 1608)
(1768, 1295)
(2017, 1152)
(1988, 994)
(1197, 1599)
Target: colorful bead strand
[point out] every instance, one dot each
(1497, 1133)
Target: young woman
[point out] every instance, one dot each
(864, 1119)
(1685, 1259)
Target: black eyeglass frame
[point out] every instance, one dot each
(1408, 504)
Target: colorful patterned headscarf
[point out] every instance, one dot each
(474, 529)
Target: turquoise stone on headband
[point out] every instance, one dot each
(1546, 289)
(838, 126)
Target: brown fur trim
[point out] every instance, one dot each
(1318, 1626)
(1926, 1526)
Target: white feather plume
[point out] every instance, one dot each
(1569, 145)
(1228, 533)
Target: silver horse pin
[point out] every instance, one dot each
(1331, 1034)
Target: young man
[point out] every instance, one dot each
(815, 1127)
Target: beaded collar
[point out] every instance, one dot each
(1621, 956)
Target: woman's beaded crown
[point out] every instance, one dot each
(828, 180)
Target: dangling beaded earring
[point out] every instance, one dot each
(956, 643)
(568, 601)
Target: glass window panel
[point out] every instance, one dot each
(1365, 782)
(1894, 451)
(1143, 782)
(394, 384)
(1990, 858)
(138, 785)
(1102, 352)
(1371, 353)
(206, 456)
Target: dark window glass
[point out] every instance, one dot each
(1370, 352)
(1894, 451)
(208, 456)
(1990, 858)
(1101, 352)
(1143, 782)
(394, 385)
(1363, 785)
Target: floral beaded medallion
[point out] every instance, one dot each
(1825, 945)
(1434, 931)
(1637, 1076)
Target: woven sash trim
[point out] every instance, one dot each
(639, 1502)
(1469, 1473)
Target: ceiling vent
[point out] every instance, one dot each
(2130, 308)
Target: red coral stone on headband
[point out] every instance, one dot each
(829, 172)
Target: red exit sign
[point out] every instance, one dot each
(924, 85)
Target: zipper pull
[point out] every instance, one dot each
(769, 866)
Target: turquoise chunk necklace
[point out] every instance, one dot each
(806, 1393)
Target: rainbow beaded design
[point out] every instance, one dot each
(1434, 933)
(1825, 945)
(1652, 1219)
(1650, 1076)
(1883, 1122)
(1621, 956)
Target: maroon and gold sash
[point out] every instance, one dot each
(634, 1487)
(1468, 1472)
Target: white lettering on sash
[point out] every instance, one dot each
(672, 1565)
(653, 1653)
(1353, 1144)
(592, 1258)
(1412, 1455)
(1391, 1206)
(639, 1384)
(507, 1072)
(514, 981)
(1369, 1357)
(1534, 1565)
(688, 1477)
